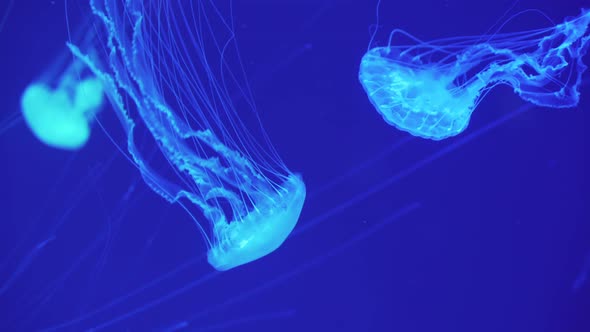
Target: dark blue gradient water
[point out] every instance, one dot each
(486, 231)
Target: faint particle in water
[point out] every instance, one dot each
(24, 264)
(234, 179)
(430, 89)
(4, 16)
(582, 277)
(10, 121)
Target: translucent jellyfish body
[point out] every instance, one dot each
(430, 89)
(177, 86)
(61, 117)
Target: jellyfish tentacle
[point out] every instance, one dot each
(237, 183)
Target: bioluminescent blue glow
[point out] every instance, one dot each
(59, 107)
(177, 85)
(61, 116)
(430, 89)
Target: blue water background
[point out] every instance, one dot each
(492, 234)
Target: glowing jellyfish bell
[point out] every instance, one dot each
(59, 111)
(178, 87)
(430, 89)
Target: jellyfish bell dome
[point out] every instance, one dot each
(53, 119)
(261, 231)
(61, 117)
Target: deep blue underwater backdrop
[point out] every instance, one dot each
(486, 231)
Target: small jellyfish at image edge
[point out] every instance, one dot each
(59, 107)
(430, 88)
(177, 87)
(61, 117)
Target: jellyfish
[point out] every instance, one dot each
(430, 89)
(178, 87)
(61, 117)
(59, 110)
